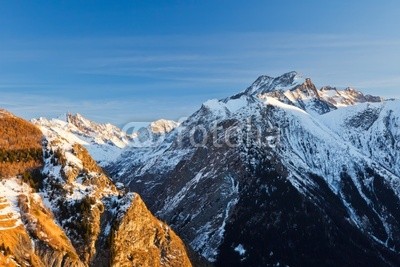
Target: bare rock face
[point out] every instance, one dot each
(140, 239)
(107, 226)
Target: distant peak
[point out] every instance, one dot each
(74, 118)
(328, 88)
(163, 126)
(307, 87)
(290, 77)
(351, 89)
(72, 115)
(308, 82)
(266, 84)
(287, 78)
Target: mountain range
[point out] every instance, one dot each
(281, 174)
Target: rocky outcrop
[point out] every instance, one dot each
(71, 214)
(107, 226)
(139, 239)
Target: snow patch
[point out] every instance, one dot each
(10, 190)
(240, 249)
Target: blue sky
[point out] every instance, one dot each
(123, 61)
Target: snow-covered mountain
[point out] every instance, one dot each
(59, 208)
(163, 126)
(105, 142)
(281, 174)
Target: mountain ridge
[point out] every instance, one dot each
(283, 149)
(68, 212)
(282, 173)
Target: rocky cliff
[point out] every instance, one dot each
(66, 211)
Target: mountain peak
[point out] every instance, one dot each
(104, 141)
(293, 89)
(290, 77)
(266, 84)
(162, 126)
(75, 118)
(292, 144)
(307, 88)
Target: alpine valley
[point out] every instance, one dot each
(280, 174)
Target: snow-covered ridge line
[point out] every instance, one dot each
(335, 149)
(105, 142)
(103, 146)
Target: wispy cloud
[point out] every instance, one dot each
(119, 78)
(244, 55)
